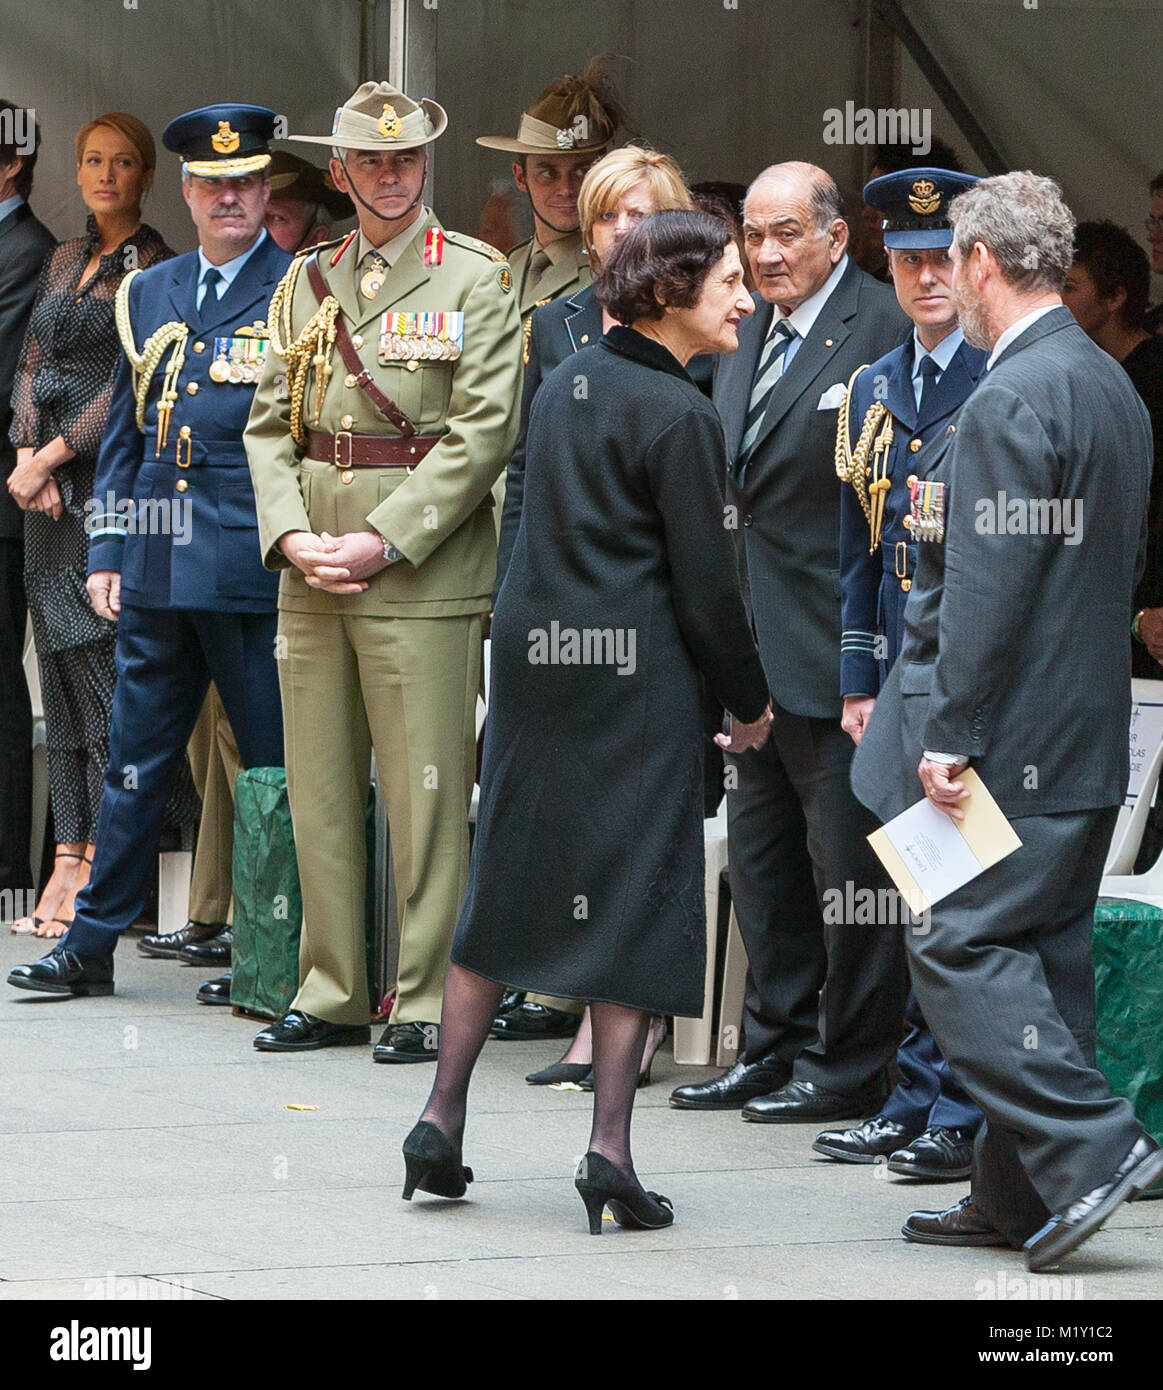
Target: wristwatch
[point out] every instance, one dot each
(391, 554)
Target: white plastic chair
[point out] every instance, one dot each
(693, 1036)
(39, 757)
(1132, 819)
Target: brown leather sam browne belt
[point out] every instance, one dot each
(346, 450)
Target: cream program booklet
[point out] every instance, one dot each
(929, 855)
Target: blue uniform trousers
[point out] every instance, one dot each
(928, 1093)
(166, 659)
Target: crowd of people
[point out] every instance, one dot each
(741, 436)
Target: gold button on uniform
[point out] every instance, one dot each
(191, 388)
(827, 342)
(199, 347)
(413, 365)
(181, 484)
(357, 339)
(585, 337)
(349, 380)
(346, 422)
(907, 523)
(346, 476)
(911, 480)
(915, 444)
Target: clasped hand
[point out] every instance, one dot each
(337, 564)
(31, 482)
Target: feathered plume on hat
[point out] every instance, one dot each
(577, 115)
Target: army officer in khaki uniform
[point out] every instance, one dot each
(570, 125)
(386, 412)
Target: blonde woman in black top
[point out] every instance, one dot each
(60, 399)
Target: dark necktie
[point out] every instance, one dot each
(211, 279)
(767, 373)
(929, 373)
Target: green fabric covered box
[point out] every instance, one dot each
(268, 904)
(1128, 976)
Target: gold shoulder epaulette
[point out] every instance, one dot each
(472, 243)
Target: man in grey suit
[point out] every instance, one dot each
(796, 834)
(1015, 660)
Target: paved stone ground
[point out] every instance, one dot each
(143, 1139)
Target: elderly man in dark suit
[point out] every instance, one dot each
(1035, 516)
(796, 834)
(24, 244)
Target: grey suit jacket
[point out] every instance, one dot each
(789, 496)
(1015, 649)
(24, 244)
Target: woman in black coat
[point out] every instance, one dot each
(617, 193)
(587, 868)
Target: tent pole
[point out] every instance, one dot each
(894, 16)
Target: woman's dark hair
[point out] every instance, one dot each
(661, 265)
(1115, 261)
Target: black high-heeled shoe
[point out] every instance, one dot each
(601, 1184)
(559, 1073)
(432, 1164)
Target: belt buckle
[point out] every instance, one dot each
(336, 459)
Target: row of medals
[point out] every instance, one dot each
(236, 368)
(396, 348)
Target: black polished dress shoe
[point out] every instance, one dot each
(1066, 1230)
(801, 1101)
(941, 1154)
(408, 1042)
(959, 1225)
(874, 1139)
(510, 1000)
(215, 991)
(532, 1022)
(165, 946)
(214, 952)
(301, 1032)
(64, 972)
(732, 1089)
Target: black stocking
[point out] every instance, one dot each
(470, 1005)
(619, 1035)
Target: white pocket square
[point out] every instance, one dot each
(833, 398)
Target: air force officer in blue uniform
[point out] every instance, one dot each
(174, 554)
(893, 409)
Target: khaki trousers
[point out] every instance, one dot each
(215, 763)
(405, 687)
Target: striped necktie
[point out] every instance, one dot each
(767, 373)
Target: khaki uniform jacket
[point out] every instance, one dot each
(565, 276)
(439, 515)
